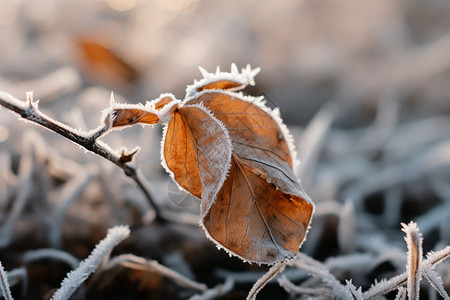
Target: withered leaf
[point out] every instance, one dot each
(129, 116)
(223, 85)
(104, 64)
(261, 212)
(196, 151)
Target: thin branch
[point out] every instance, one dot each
(29, 110)
(138, 263)
(4, 284)
(401, 294)
(356, 293)
(385, 287)
(435, 280)
(291, 288)
(215, 292)
(75, 278)
(49, 253)
(258, 286)
(317, 269)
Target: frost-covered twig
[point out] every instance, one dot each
(4, 284)
(401, 294)
(298, 290)
(19, 275)
(75, 278)
(317, 269)
(48, 253)
(356, 293)
(29, 111)
(215, 292)
(416, 268)
(385, 286)
(261, 283)
(435, 280)
(139, 263)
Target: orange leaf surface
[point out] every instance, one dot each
(130, 116)
(104, 64)
(223, 85)
(196, 152)
(260, 213)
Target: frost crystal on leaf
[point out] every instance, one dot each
(234, 81)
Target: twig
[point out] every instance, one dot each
(356, 293)
(29, 111)
(258, 286)
(139, 263)
(317, 269)
(416, 268)
(17, 275)
(384, 286)
(49, 253)
(216, 292)
(291, 288)
(401, 294)
(4, 284)
(75, 278)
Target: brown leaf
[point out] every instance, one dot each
(196, 151)
(163, 101)
(129, 116)
(222, 84)
(104, 64)
(261, 213)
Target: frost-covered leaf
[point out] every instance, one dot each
(232, 81)
(261, 213)
(127, 115)
(196, 152)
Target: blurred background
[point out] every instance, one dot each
(362, 85)
(311, 52)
